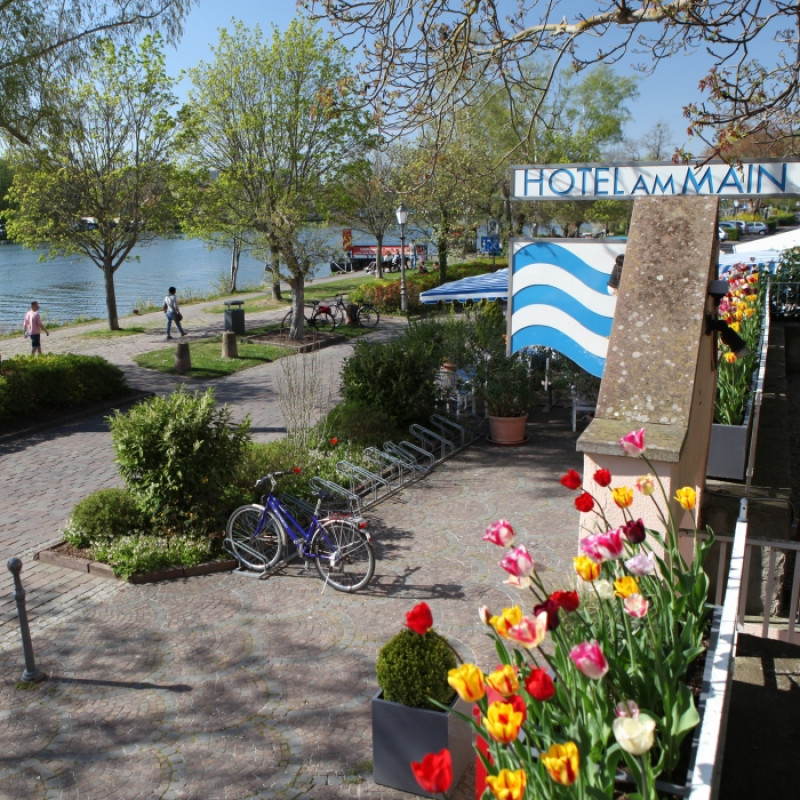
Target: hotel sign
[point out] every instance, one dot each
(629, 181)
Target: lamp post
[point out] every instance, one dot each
(735, 210)
(402, 219)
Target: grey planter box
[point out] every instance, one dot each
(401, 735)
(729, 449)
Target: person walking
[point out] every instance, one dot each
(33, 326)
(616, 274)
(173, 312)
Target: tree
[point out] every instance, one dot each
(421, 60)
(369, 198)
(98, 180)
(278, 121)
(40, 39)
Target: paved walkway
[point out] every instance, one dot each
(223, 687)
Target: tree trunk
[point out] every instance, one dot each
(111, 296)
(297, 329)
(379, 258)
(236, 252)
(274, 270)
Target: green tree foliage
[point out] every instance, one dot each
(277, 122)
(98, 180)
(41, 38)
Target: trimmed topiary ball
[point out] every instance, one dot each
(412, 669)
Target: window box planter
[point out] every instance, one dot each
(729, 448)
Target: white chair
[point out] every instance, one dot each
(580, 406)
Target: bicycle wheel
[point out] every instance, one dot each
(343, 555)
(368, 316)
(286, 322)
(256, 552)
(323, 321)
(337, 312)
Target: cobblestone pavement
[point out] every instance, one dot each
(224, 687)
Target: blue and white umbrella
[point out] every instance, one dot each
(491, 286)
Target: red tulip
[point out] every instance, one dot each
(569, 601)
(435, 772)
(584, 502)
(549, 607)
(602, 477)
(420, 619)
(540, 685)
(571, 480)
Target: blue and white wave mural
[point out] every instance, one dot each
(560, 299)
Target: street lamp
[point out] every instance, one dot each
(735, 209)
(402, 219)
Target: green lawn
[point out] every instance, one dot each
(207, 360)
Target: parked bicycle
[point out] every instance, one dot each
(368, 316)
(340, 546)
(318, 315)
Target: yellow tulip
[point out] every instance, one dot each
(504, 680)
(508, 785)
(626, 586)
(730, 358)
(503, 722)
(623, 496)
(586, 568)
(468, 681)
(687, 497)
(509, 618)
(562, 761)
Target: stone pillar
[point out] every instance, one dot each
(660, 371)
(230, 347)
(183, 358)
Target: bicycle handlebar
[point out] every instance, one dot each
(271, 477)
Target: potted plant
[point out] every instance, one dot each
(505, 385)
(407, 717)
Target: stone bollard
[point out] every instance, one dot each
(230, 347)
(31, 674)
(183, 358)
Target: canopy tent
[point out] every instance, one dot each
(490, 286)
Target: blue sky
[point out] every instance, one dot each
(661, 96)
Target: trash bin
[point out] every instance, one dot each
(234, 316)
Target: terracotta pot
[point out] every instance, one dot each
(508, 430)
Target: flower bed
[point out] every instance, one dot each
(592, 684)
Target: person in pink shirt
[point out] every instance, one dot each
(33, 327)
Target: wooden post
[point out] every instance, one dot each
(183, 358)
(230, 347)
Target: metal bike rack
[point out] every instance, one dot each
(432, 441)
(458, 434)
(351, 501)
(396, 470)
(421, 461)
(364, 483)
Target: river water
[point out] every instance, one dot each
(72, 288)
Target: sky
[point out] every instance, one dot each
(661, 96)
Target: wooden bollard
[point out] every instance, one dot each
(183, 358)
(230, 347)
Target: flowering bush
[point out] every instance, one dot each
(741, 309)
(592, 682)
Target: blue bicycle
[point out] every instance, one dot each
(340, 547)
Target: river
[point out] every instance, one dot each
(72, 288)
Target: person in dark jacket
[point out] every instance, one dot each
(616, 274)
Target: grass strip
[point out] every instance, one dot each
(207, 360)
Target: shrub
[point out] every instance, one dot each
(360, 424)
(177, 454)
(397, 377)
(104, 515)
(31, 385)
(412, 669)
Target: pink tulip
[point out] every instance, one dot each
(589, 659)
(627, 708)
(636, 606)
(600, 547)
(640, 565)
(529, 632)
(633, 442)
(518, 562)
(500, 533)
